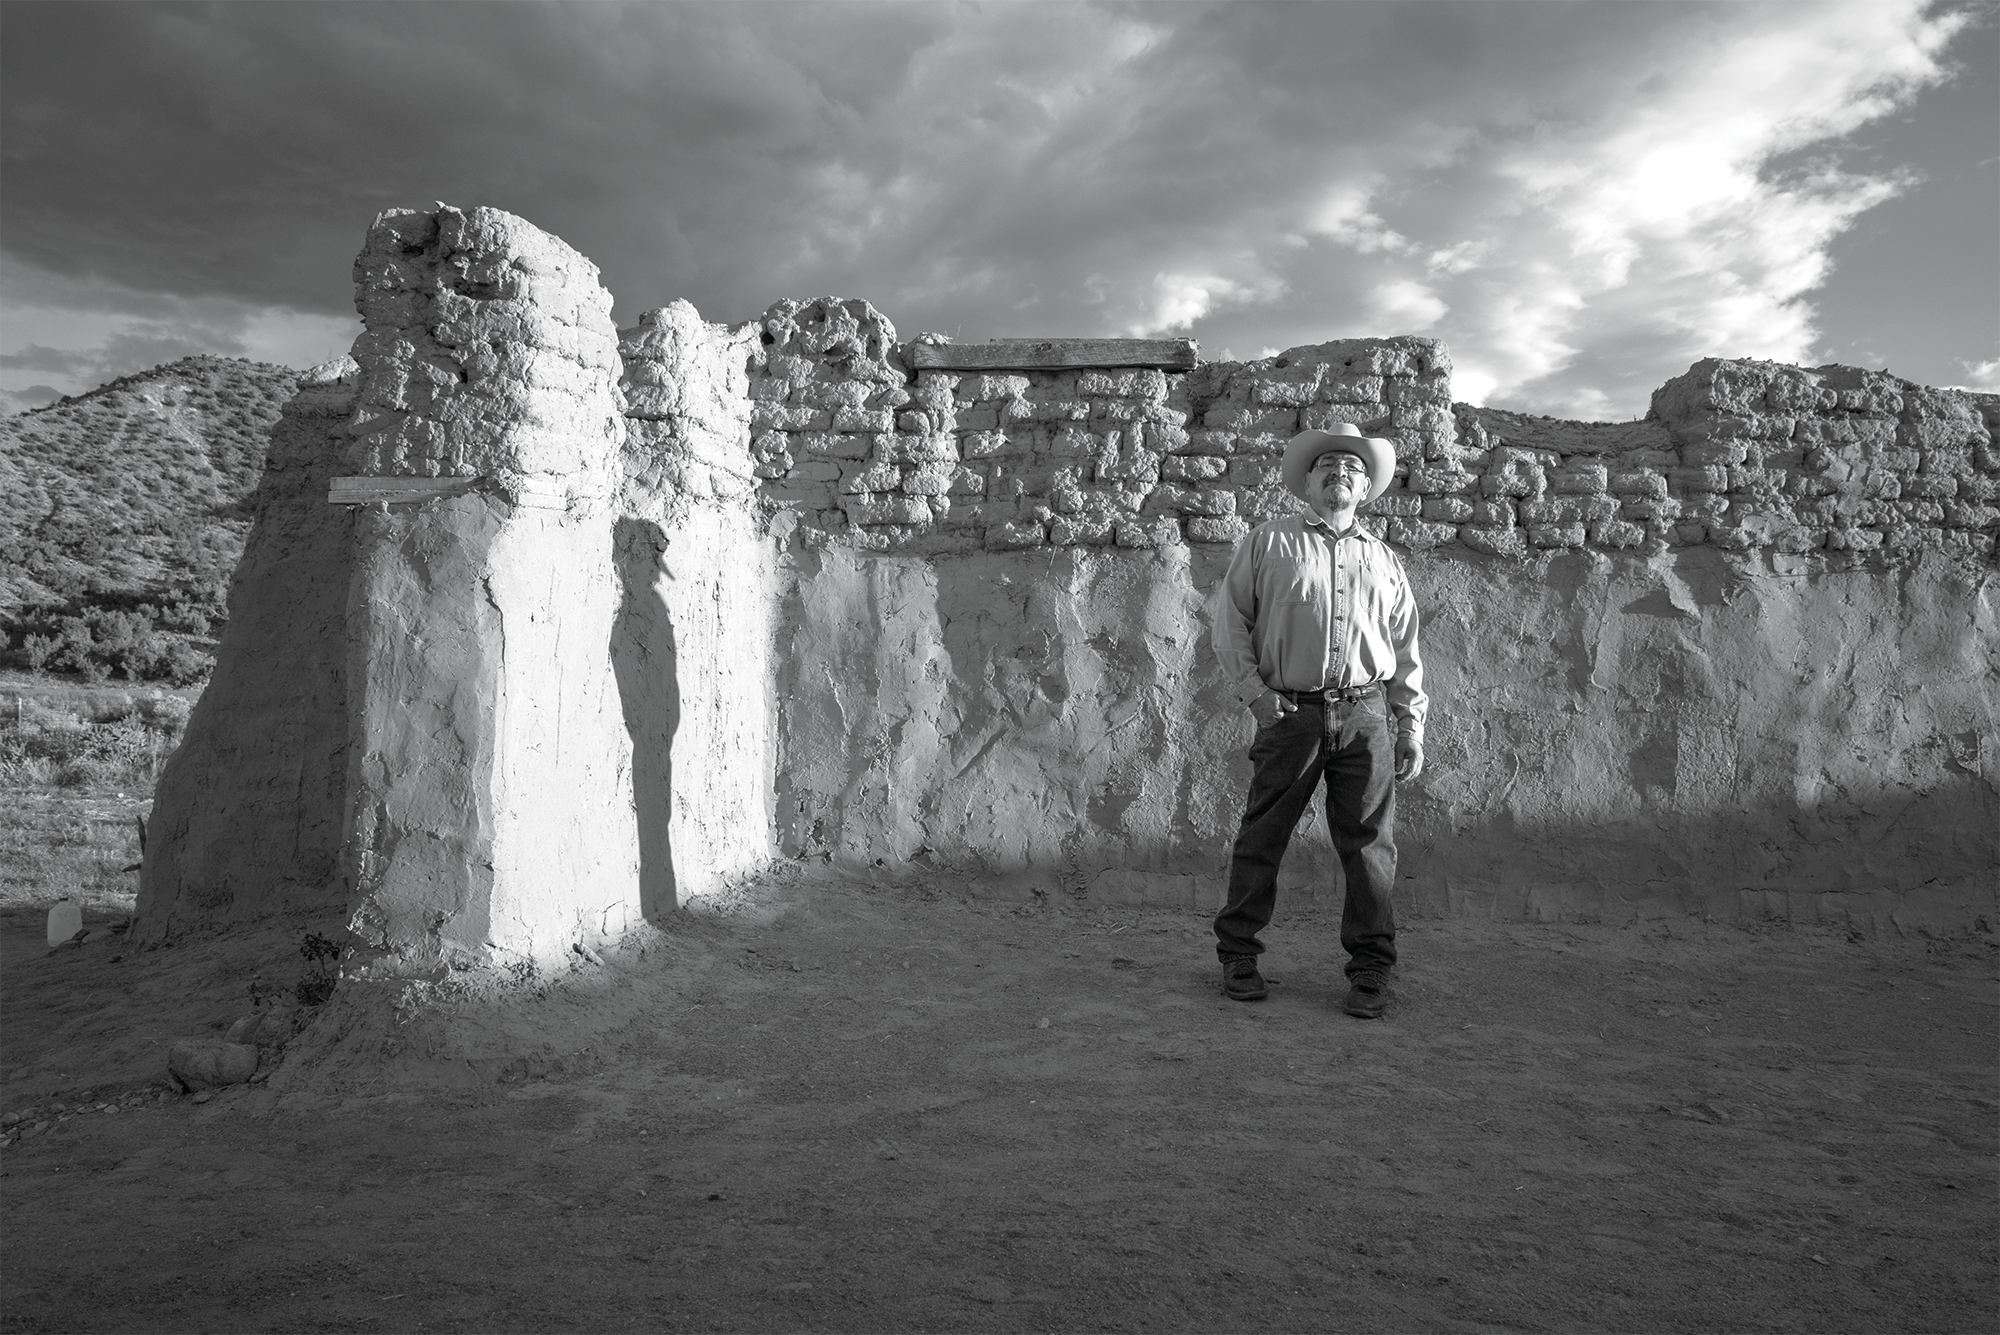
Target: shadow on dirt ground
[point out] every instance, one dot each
(825, 1106)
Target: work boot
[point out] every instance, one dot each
(1240, 979)
(1367, 996)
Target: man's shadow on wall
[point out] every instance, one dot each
(644, 662)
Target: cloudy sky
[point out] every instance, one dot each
(1580, 199)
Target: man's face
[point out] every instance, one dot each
(1337, 479)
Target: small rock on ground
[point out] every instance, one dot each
(200, 1064)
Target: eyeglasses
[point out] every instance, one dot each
(1338, 461)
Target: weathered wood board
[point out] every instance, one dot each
(1054, 354)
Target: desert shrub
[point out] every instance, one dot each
(28, 771)
(183, 664)
(73, 645)
(162, 549)
(65, 752)
(187, 618)
(166, 713)
(79, 773)
(126, 641)
(322, 956)
(97, 634)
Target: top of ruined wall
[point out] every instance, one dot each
(687, 409)
(869, 451)
(488, 351)
(1826, 467)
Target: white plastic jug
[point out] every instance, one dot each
(65, 920)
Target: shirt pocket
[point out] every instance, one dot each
(1376, 594)
(1298, 588)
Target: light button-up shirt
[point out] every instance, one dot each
(1303, 608)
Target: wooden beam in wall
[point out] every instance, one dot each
(1053, 354)
(408, 490)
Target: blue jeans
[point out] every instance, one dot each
(1352, 746)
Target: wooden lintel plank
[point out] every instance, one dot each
(407, 490)
(405, 483)
(1054, 354)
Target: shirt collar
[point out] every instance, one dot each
(1353, 530)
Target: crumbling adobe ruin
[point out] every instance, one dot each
(545, 627)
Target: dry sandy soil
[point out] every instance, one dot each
(826, 1106)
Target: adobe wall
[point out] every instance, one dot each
(423, 687)
(1735, 658)
(249, 810)
(635, 613)
(698, 624)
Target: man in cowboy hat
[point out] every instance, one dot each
(1316, 629)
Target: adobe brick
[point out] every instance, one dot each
(831, 395)
(1254, 473)
(1960, 514)
(890, 509)
(1617, 534)
(1137, 383)
(1576, 479)
(1556, 535)
(835, 446)
(1352, 389)
(1494, 541)
(992, 386)
(1227, 529)
(1419, 535)
(1442, 481)
(1192, 468)
(787, 417)
(932, 480)
(1016, 535)
(1650, 508)
(1707, 478)
(1091, 529)
(1211, 440)
(1716, 452)
(1283, 393)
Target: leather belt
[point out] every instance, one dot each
(1334, 695)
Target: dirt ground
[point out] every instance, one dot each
(827, 1106)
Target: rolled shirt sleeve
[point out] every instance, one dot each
(1233, 624)
(1406, 682)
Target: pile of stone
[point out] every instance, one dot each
(247, 1052)
(39, 1119)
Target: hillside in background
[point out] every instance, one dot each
(121, 516)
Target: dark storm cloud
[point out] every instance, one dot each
(35, 357)
(28, 396)
(243, 149)
(1570, 195)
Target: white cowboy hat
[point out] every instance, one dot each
(1346, 438)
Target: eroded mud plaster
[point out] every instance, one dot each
(249, 811)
